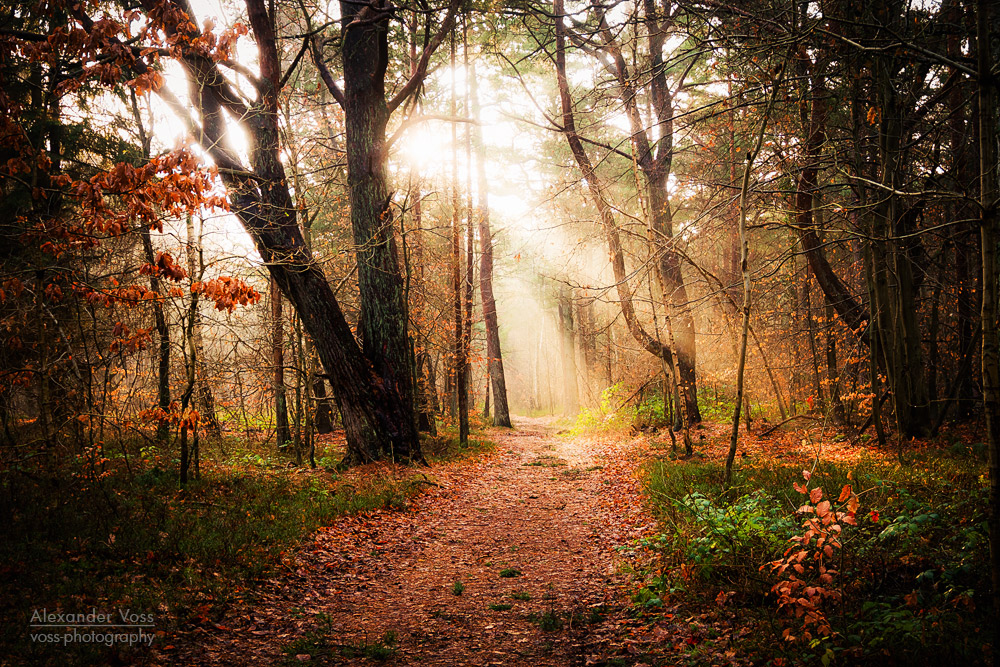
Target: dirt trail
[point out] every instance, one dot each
(535, 510)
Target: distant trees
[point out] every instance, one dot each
(646, 99)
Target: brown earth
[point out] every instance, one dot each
(545, 508)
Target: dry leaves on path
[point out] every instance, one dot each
(508, 562)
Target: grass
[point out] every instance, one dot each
(524, 596)
(316, 643)
(113, 529)
(548, 621)
(910, 571)
(510, 572)
(445, 446)
(457, 588)
(501, 606)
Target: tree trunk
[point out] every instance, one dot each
(324, 411)
(989, 191)
(159, 319)
(428, 394)
(209, 419)
(817, 386)
(595, 186)
(655, 165)
(460, 397)
(468, 282)
(832, 374)
(850, 310)
(494, 355)
(964, 162)
(382, 324)
(282, 432)
(745, 270)
(567, 352)
(163, 336)
(895, 288)
(376, 413)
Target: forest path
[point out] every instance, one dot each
(533, 519)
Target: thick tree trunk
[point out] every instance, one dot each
(377, 420)
(382, 325)
(989, 191)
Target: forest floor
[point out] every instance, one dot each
(506, 559)
(544, 550)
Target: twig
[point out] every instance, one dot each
(793, 417)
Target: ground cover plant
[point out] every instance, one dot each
(895, 569)
(116, 530)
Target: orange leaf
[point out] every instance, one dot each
(823, 509)
(845, 493)
(816, 494)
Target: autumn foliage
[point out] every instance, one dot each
(807, 572)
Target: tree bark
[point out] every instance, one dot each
(655, 164)
(159, 318)
(163, 336)
(494, 355)
(850, 310)
(989, 191)
(282, 432)
(460, 397)
(382, 323)
(377, 421)
(745, 270)
(324, 411)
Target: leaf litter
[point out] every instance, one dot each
(378, 588)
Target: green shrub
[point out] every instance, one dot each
(910, 572)
(751, 530)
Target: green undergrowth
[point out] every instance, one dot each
(445, 446)
(318, 644)
(114, 530)
(622, 408)
(911, 575)
(616, 411)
